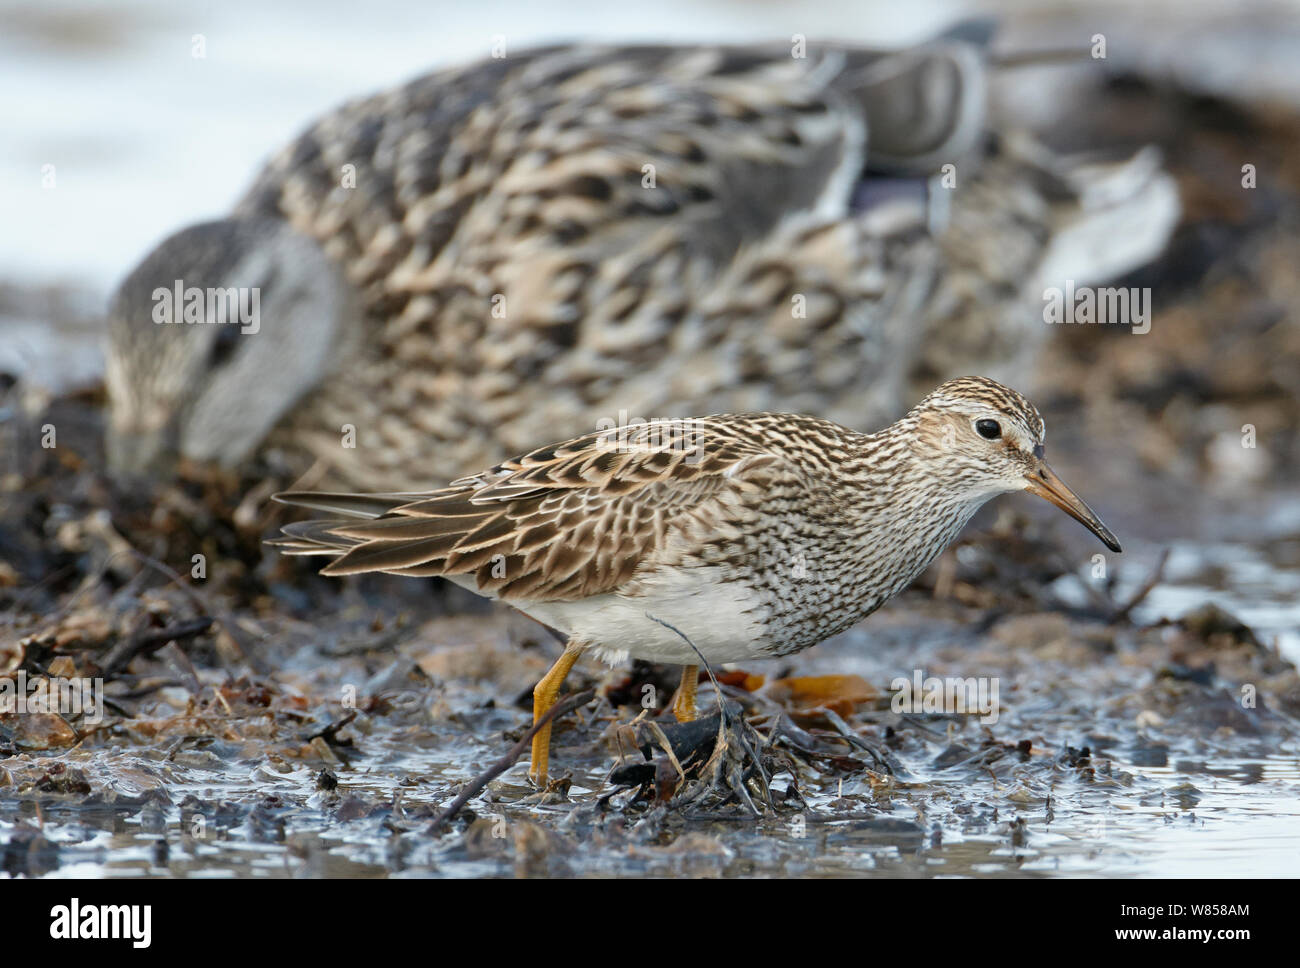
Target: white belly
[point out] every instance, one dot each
(722, 619)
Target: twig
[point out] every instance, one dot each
(724, 722)
(330, 733)
(507, 761)
(151, 640)
(850, 737)
(197, 598)
(667, 747)
(31, 590)
(1157, 575)
(717, 690)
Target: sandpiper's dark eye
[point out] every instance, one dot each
(989, 429)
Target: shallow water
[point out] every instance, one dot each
(1242, 820)
(1248, 581)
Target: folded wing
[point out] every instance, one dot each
(562, 523)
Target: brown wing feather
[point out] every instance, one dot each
(560, 523)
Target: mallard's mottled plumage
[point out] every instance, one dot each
(574, 236)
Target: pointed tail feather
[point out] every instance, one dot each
(312, 538)
(351, 505)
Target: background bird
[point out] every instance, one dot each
(751, 535)
(454, 270)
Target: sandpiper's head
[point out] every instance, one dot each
(212, 338)
(983, 439)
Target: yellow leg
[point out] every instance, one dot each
(544, 695)
(684, 704)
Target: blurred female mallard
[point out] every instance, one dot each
(529, 247)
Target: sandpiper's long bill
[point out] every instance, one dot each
(1044, 482)
(752, 535)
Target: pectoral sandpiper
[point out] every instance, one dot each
(506, 252)
(754, 535)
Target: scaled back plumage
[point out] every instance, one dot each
(610, 512)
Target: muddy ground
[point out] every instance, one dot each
(264, 721)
